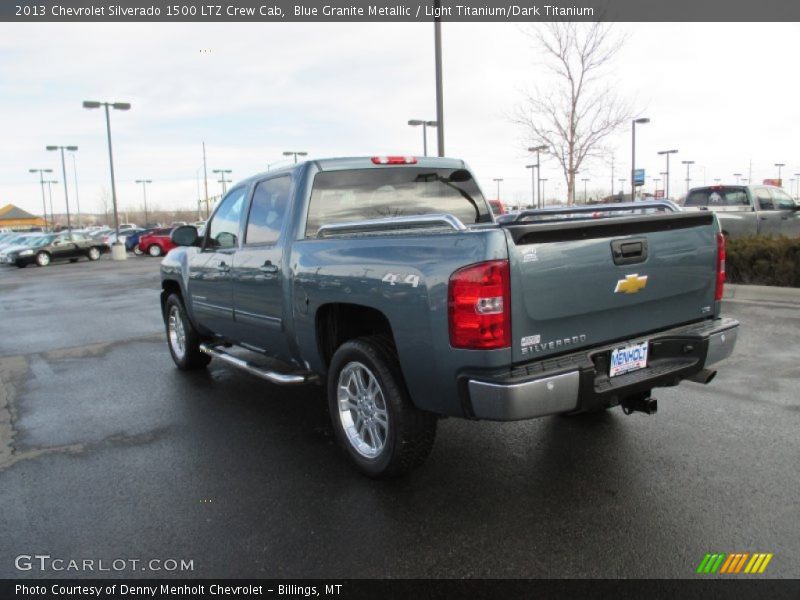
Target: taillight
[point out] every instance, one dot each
(720, 266)
(394, 160)
(479, 308)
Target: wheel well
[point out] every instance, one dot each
(338, 323)
(168, 287)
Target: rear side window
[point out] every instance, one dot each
(364, 194)
(268, 211)
(717, 197)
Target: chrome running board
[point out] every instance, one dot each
(271, 376)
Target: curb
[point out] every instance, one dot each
(761, 293)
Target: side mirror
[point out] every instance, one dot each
(185, 235)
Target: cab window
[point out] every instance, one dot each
(783, 200)
(764, 199)
(268, 211)
(223, 232)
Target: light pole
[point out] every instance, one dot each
(635, 122)
(77, 197)
(780, 166)
(50, 196)
(41, 181)
(64, 175)
(533, 184)
(585, 181)
(542, 198)
(497, 180)
(538, 167)
(425, 125)
(437, 58)
(737, 175)
(144, 183)
(622, 188)
(295, 154)
(666, 187)
(223, 172)
(117, 248)
(688, 164)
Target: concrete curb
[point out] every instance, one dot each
(761, 293)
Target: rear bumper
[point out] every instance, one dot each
(580, 381)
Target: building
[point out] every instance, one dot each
(13, 217)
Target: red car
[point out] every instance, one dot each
(157, 242)
(497, 207)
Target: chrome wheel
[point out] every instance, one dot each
(362, 409)
(94, 253)
(137, 251)
(154, 250)
(43, 259)
(177, 333)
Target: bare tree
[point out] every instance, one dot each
(104, 197)
(575, 111)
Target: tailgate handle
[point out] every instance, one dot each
(629, 251)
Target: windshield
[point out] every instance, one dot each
(717, 196)
(364, 194)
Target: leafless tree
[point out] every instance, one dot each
(574, 111)
(104, 198)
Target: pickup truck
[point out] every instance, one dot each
(746, 210)
(388, 281)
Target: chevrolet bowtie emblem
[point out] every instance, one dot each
(631, 284)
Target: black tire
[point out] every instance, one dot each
(409, 432)
(191, 358)
(43, 259)
(73, 260)
(21, 265)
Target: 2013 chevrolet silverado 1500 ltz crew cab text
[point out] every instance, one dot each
(388, 281)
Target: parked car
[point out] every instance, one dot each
(127, 226)
(748, 209)
(388, 281)
(47, 248)
(157, 242)
(497, 207)
(132, 241)
(15, 239)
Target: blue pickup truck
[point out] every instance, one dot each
(388, 281)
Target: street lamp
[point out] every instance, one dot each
(542, 199)
(533, 184)
(144, 183)
(64, 174)
(635, 122)
(497, 180)
(295, 154)
(41, 181)
(538, 149)
(77, 197)
(780, 165)
(667, 153)
(425, 125)
(223, 172)
(737, 175)
(688, 164)
(117, 248)
(585, 182)
(50, 196)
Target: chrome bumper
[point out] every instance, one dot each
(560, 392)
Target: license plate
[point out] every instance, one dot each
(628, 358)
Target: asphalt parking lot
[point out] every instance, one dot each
(108, 452)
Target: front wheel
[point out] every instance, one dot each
(43, 259)
(137, 251)
(93, 253)
(373, 418)
(182, 338)
(154, 250)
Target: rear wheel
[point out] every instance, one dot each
(43, 259)
(137, 251)
(154, 250)
(373, 417)
(93, 253)
(182, 338)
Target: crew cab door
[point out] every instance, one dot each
(209, 270)
(789, 224)
(63, 247)
(769, 218)
(257, 273)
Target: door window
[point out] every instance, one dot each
(783, 200)
(268, 211)
(764, 199)
(223, 232)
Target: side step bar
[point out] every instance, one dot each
(271, 376)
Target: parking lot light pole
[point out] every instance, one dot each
(144, 183)
(737, 175)
(635, 122)
(49, 183)
(666, 173)
(117, 248)
(497, 180)
(542, 198)
(222, 180)
(77, 197)
(41, 182)
(295, 154)
(533, 184)
(688, 164)
(425, 125)
(780, 166)
(538, 149)
(585, 181)
(64, 175)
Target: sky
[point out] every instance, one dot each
(722, 94)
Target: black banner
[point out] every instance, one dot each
(399, 10)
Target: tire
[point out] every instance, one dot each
(93, 253)
(182, 338)
(365, 386)
(137, 251)
(73, 260)
(43, 259)
(154, 251)
(21, 265)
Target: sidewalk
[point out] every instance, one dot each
(761, 293)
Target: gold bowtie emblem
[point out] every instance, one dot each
(631, 284)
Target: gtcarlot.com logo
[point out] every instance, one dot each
(734, 563)
(45, 562)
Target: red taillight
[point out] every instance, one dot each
(720, 266)
(394, 160)
(479, 308)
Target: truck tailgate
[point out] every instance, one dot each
(581, 283)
